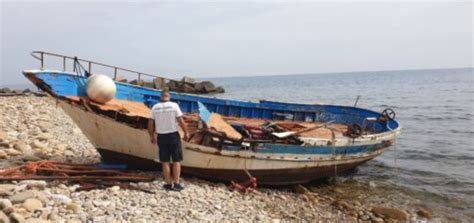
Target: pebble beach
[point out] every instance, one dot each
(34, 128)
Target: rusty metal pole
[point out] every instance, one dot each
(115, 73)
(139, 75)
(42, 61)
(64, 64)
(357, 100)
(90, 69)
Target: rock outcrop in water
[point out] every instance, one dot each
(186, 85)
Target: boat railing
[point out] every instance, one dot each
(41, 56)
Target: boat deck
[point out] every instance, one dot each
(138, 115)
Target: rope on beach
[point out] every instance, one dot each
(52, 170)
(244, 187)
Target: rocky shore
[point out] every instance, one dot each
(34, 128)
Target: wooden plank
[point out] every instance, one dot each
(217, 123)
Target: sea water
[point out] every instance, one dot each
(434, 155)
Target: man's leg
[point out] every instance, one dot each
(177, 156)
(166, 172)
(176, 172)
(165, 164)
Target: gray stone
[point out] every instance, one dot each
(372, 184)
(68, 153)
(115, 189)
(32, 204)
(16, 217)
(9, 210)
(29, 157)
(393, 213)
(75, 208)
(300, 189)
(5, 203)
(34, 220)
(188, 80)
(377, 220)
(220, 90)
(4, 218)
(22, 136)
(364, 217)
(12, 152)
(139, 220)
(121, 79)
(199, 88)
(3, 154)
(60, 198)
(148, 84)
(260, 217)
(44, 136)
(5, 90)
(22, 196)
(7, 189)
(208, 86)
(36, 144)
(424, 213)
(159, 83)
(173, 85)
(20, 146)
(186, 88)
(137, 82)
(34, 183)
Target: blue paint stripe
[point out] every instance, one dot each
(310, 150)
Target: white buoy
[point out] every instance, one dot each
(100, 88)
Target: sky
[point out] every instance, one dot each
(239, 38)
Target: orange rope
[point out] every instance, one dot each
(32, 168)
(50, 170)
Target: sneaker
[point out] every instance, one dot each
(168, 186)
(177, 187)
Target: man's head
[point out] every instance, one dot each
(165, 96)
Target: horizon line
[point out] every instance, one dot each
(338, 72)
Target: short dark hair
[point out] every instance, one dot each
(164, 93)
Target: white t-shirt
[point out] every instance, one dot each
(165, 114)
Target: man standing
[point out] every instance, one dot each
(165, 115)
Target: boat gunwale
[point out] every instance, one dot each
(233, 102)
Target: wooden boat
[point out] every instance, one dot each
(327, 140)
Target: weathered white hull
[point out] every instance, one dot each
(107, 134)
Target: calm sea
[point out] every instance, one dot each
(434, 156)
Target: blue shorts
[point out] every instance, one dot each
(169, 146)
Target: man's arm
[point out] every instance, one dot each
(183, 126)
(151, 130)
